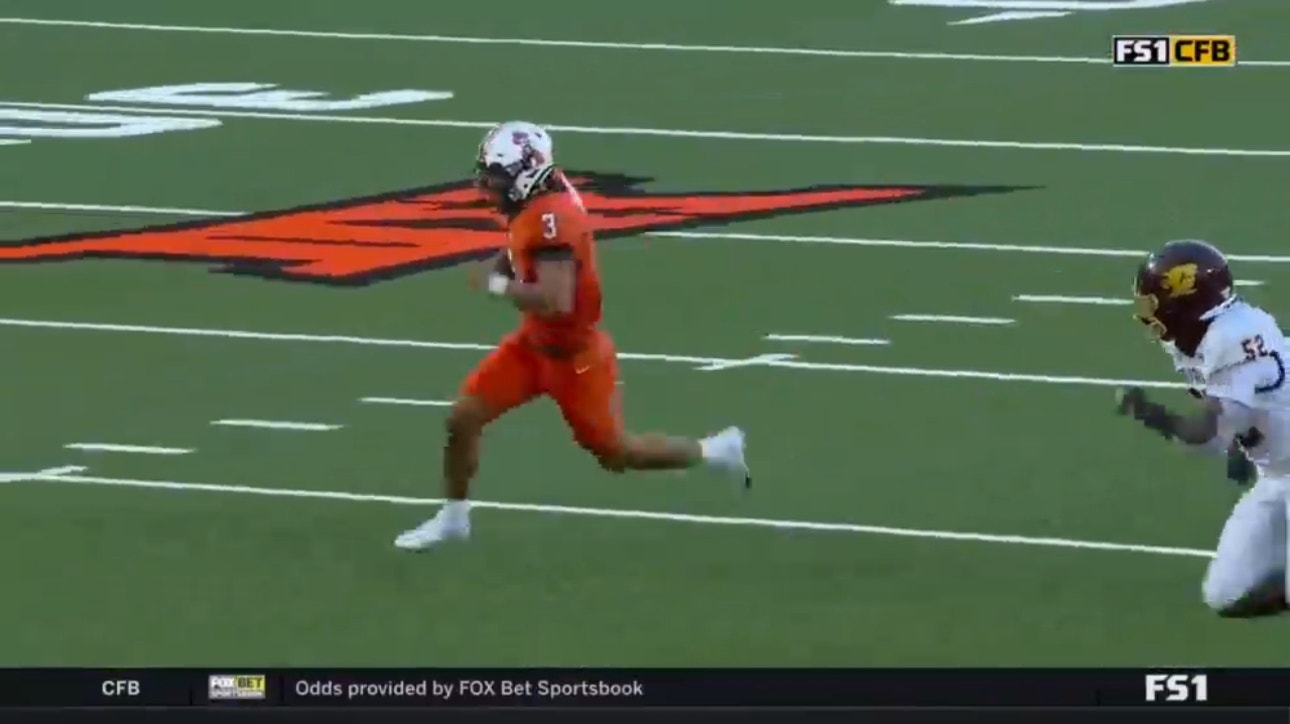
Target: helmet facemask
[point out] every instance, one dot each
(1146, 305)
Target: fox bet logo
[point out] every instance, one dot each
(1174, 50)
(235, 686)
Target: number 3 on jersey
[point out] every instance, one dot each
(549, 230)
(1254, 348)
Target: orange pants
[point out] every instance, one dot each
(584, 386)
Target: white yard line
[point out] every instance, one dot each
(946, 245)
(45, 474)
(771, 361)
(278, 425)
(1060, 299)
(42, 206)
(406, 401)
(952, 319)
(1096, 301)
(67, 475)
(112, 447)
(717, 365)
(825, 339)
(585, 44)
(719, 235)
(13, 141)
(679, 132)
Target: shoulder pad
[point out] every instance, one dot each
(1239, 335)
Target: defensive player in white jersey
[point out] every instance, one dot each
(1234, 357)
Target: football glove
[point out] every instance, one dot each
(1239, 468)
(1133, 401)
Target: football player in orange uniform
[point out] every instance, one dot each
(548, 272)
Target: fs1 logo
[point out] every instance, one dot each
(1174, 50)
(1178, 688)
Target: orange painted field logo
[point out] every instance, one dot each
(360, 241)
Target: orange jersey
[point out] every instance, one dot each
(556, 221)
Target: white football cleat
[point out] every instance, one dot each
(436, 530)
(725, 450)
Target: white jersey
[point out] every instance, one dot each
(1242, 361)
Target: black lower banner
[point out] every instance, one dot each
(646, 688)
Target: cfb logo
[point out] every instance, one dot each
(120, 687)
(1178, 688)
(1174, 50)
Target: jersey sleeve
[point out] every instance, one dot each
(1242, 360)
(1238, 337)
(552, 232)
(1240, 382)
(1235, 387)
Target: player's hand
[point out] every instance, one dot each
(1239, 468)
(1131, 401)
(492, 275)
(477, 274)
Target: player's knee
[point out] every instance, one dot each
(1245, 607)
(467, 418)
(613, 461)
(609, 455)
(605, 445)
(1221, 593)
(1241, 598)
(1220, 601)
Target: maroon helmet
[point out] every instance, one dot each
(1180, 289)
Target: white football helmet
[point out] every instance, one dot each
(515, 158)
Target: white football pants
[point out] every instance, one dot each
(1252, 549)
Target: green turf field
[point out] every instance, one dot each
(961, 495)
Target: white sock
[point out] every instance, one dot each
(456, 511)
(706, 449)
